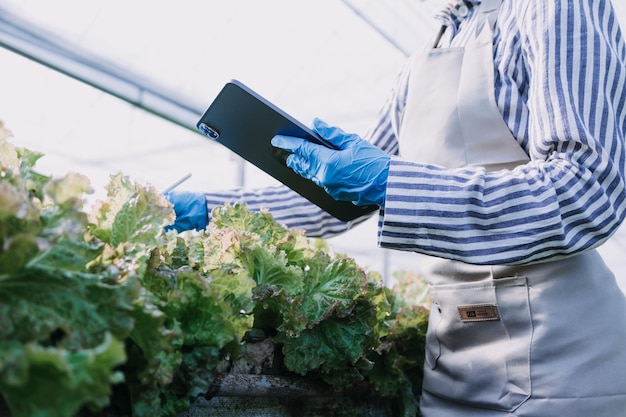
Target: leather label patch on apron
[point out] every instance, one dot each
(478, 312)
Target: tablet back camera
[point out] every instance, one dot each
(209, 131)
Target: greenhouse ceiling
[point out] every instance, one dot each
(333, 59)
(107, 86)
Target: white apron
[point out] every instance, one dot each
(546, 340)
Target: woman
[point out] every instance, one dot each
(500, 155)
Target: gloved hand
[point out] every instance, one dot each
(356, 172)
(190, 209)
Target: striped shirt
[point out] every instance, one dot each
(560, 84)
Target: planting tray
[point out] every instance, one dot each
(278, 396)
(243, 395)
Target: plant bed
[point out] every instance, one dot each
(278, 396)
(105, 313)
(274, 396)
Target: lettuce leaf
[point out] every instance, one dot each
(334, 347)
(47, 381)
(63, 309)
(61, 322)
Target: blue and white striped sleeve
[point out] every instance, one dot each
(571, 196)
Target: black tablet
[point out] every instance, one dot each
(245, 122)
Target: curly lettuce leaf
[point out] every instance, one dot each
(62, 213)
(19, 249)
(40, 381)
(410, 289)
(62, 307)
(156, 343)
(304, 300)
(61, 322)
(269, 267)
(35, 211)
(18, 163)
(335, 349)
(191, 326)
(204, 318)
(400, 355)
(212, 311)
(239, 218)
(216, 254)
(102, 216)
(260, 227)
(133, 215)
(154, 357)
(334, 290)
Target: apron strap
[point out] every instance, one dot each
(490, 8)
(489, 5)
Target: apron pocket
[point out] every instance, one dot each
(478, 343)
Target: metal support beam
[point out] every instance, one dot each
(22, 37)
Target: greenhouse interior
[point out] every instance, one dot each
(337, 63)
(116, 87)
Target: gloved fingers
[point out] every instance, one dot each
(181, 199)
(288, 143)
(333, 134)
(190, 209)
(302, 159)
(303, 148)
(302, 167)
(357, 172)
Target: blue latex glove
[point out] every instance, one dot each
(356, 172)
(190, 209)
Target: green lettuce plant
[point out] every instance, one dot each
(102, 312)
